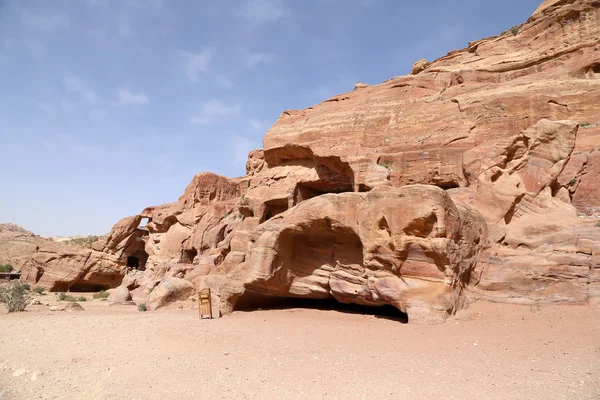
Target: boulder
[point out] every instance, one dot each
(119, 295)
(73, 306)
(169, 290)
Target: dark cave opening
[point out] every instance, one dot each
(274, 207)
(253, 301)
(187, 256)
(82, 287)
(137, 260)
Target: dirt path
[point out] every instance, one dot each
(490, 351)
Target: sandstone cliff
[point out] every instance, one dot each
(477, 176)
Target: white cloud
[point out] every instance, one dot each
(128, 98)
(194, 64)
(47, 22)
(240, 147)
(212, 110)
(259, 12)
(255, 59)
(80, 88)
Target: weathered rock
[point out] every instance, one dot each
(119, 295)
(72, 306)
(420, 66)
(410, 247)
(62, 268)
(169, 290)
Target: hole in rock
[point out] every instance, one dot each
(252, 301)
(422, 227)
(593, 71)
(308, 190)
(187, 256)
(143, 222)
(274, 207)
(307, 258)
(137, 260)
(94, 287)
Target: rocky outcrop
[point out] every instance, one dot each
(476, 176)
(62, 268)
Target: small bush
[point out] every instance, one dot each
(103, 294)
(514, 30)
(142, 307)
(385, 165)
(39, 290)
(81, 298)
(27, 286)
(585, 125)
(15, 296)
(6, 268)
(597, 224)
(572, 181)
(66, 297)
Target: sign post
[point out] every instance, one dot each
(204, 305)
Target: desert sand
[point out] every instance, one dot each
(489, 351)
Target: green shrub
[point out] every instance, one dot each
(385, 165)
(27, 286)
(6, 268)
(585, 125)
(82, 298)
(15, 296)
(66, 297)
(598, 224)
(514, 30)
(39, 290)
(142, 307)
(572, 181)
(103, 294)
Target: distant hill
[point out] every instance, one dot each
(17, 243)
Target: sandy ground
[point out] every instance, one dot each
(490, 351)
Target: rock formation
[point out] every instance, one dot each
(477, 176)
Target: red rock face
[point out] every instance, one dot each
(474, 177)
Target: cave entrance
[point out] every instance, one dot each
(84, 287)
(254, 301)
(138, 260)
(308, 190)
(274, 207)
(187, 256)
(310, 259)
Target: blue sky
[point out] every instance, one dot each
(108, 106)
